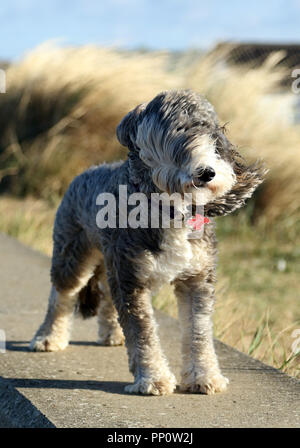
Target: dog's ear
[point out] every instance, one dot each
(127, 129)
(248, 178)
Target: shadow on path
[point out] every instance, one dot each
(23, 346)
(112, 387)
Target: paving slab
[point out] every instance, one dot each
(83, 386)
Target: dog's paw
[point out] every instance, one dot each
(112, 337)
(206, 384)
(145, 386)
(47, 344)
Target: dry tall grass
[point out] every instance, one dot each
(63, 104)
(61, 110)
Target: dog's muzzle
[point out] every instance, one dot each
(175, 180)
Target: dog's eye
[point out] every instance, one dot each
(203, 123)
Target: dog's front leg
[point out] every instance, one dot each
(200, 370)
(147, 362)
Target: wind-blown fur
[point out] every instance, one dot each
(176, 145)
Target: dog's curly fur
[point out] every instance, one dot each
(114, 271)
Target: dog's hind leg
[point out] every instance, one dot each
(110, 331)
(200, 368)
(54, 333)
(72, 268)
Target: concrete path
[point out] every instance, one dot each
(83, 385)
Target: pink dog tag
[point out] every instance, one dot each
(196, 222)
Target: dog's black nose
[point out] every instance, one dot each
(207, 175)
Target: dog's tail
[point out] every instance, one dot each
(89, 297)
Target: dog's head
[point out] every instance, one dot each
(177, 138)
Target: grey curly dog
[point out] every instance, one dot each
(176, 145)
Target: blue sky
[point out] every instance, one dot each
(157, 24)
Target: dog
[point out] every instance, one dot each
(175, 145)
